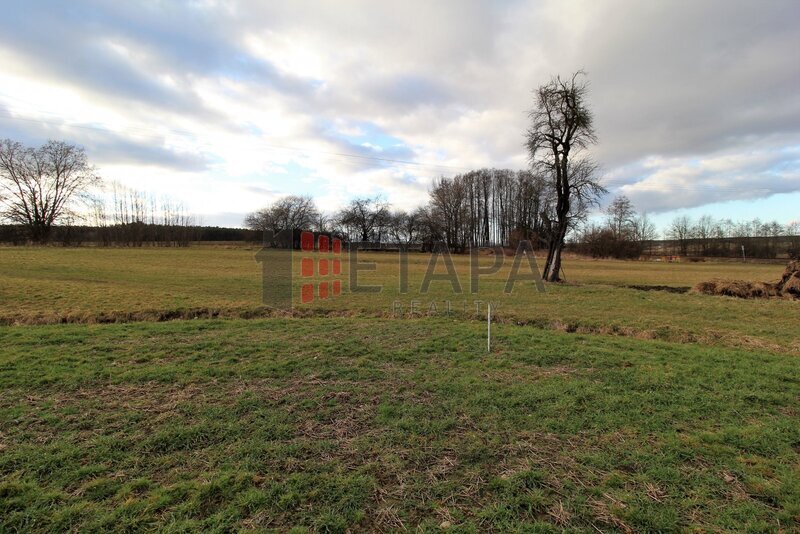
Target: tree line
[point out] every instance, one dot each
(130, 217)
(707, 236)
(491, 207)
(624, 233)
(479, 208)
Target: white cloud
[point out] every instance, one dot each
(695, 103)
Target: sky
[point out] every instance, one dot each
(228, 105)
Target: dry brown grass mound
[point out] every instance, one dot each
(790, 281)
(788, 286)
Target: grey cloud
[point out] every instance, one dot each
(408, 91)
(113, 149)
(102, 146)
(692, 78)
(72, 42)
(675, 184)
(58, 43)
(681, 81)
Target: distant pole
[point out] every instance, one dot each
(489, 327)
(744, 258)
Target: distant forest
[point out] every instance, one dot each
(132, 235)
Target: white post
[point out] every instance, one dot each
(489, 327)
(744, 258)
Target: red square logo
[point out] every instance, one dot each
(307, 293)
(323, 290)
(307, 267)
(323, 243)
(337, 287)
(323, 267)
(337, 267)
(307, 241)
(337, 246)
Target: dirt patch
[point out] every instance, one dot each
(668, 289)
(787, 287)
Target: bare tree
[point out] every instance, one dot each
(322, 222)
(259, 220)
(288, 213)
(368, 217)
(561, 126)
(490, 206)
(681, 231)
(585, 191)
(793, 233)
(625, 234)
(703, 230)
(38, 186)
(430, 232)
(448, 199)
(621, 217)
(645, 232)
(406, 228)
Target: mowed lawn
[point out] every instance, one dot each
(599, 407)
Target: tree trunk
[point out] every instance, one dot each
(552, 270)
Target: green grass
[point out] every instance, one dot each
(600, 407)
(329, 424)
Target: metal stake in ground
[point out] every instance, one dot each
(489, 327)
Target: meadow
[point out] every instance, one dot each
(86, 285)
(150, 390)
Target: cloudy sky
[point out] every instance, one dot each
(228, 105)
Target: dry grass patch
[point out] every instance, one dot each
(787, 287)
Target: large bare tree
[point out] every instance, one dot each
(561, 127)
(291, 212)
(38, 186)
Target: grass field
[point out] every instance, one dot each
(600, 407)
